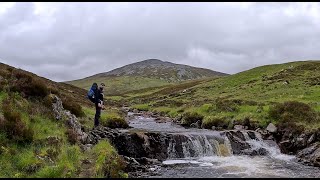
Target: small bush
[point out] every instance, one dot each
(226, 105)
(191, 117)
(291, 127)
(114, 121)
(207, 108)
(292, 111)
(73, 107)
(13, 125)
(210, 121)
(29, 85)
(54, 90)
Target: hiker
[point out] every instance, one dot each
(99, 104)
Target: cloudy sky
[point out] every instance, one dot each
(67, 41)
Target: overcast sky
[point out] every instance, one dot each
(67, 41)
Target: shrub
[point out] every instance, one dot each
(29, 85)
(48, 100)
(191, 117)
(13, 125)
(290, 127)
(292, 111)
(73, 107)
(114, 121)
(226, 105)
(210, 121)
(207, 108)
(54, 90)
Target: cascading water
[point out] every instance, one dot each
(193, 146)
(206, 153)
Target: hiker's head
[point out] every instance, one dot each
(102, 85)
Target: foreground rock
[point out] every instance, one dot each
(310, 155)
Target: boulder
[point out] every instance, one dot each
(311, 139)
(310, 155)
(238, 127)
(238, 142)
(271, 128)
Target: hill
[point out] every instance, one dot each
(145, 74)
(36, 142)
(245, 95)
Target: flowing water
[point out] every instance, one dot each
(202, 153)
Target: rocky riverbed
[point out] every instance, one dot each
(155, 146)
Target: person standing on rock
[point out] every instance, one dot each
(99, 104)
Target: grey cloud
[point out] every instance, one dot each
(225, 37)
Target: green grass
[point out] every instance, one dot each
(246, 91)
(44, 127)
(141, 107)
(67, 164)
(3, 95)
(108, 116)
(107, 163)
(120, 85)
(35, 156)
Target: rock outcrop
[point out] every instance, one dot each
(61, 114)
(310, 155)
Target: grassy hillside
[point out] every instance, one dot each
(145, 74)
(246, 95)
(34, 144)
(120, 85)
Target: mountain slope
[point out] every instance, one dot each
(10, 75)
(145, 74)
(249, 94)
(38, 138)
(294, 80)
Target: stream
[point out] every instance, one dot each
(202, 153)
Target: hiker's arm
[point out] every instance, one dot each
(96, 96)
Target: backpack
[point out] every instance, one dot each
(92, 91)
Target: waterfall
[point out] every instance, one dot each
(197, 145)
(201, 145)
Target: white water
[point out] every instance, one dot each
(202, 155)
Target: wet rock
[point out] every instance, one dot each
(238, 127)
(285, 146)
(271, 128)
(148, 161)
(213, 128)
(310, 155)
(258, 152)
(268, 136)
(196, 124)
(264, 133)
(237, 141)
(137, 145)
(252, 135)
(311, 139)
